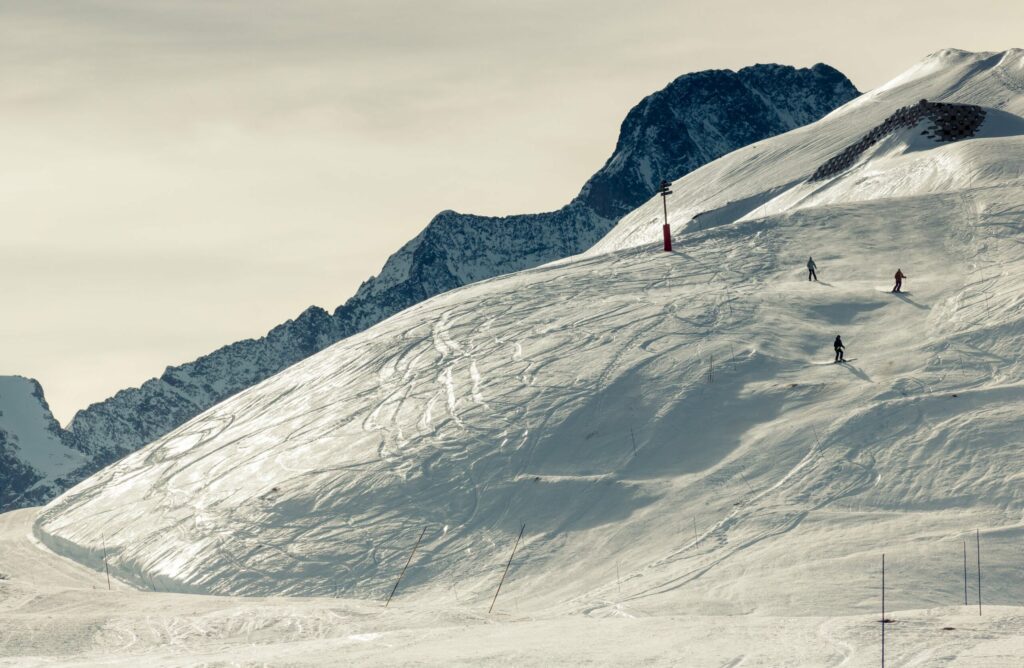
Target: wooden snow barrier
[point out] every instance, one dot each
(948, 122)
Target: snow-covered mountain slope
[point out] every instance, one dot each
(33, 455)
(669, 426)
(696, 118)
(742, 182)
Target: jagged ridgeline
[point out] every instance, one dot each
(947, 122)
(695, 119)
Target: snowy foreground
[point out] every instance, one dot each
(53, 611)
(700, 484)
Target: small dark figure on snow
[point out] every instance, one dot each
(838, 345)
(812, 269)
(899, 281)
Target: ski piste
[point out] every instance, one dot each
(517, 400)
(545, 370)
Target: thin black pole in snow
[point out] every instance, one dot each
(978, 537)
(498, 591)
(883, 610)
(746, 482)
(816, 438)
(105, 568)
(409, 561)
(631, 436)
(695, 538)
(965, 572)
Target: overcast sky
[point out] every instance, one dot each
(178, 175)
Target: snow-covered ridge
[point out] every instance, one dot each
(669, 426)
(696, 118)
(758, 173)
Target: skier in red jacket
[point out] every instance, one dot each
(899, 280)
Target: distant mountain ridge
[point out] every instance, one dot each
(697, 118)
(34, 450)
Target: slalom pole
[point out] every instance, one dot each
(498, 591)
(409, 561)
(105, 568)
(883, 610)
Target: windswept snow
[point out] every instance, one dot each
(696, 118)
(55, 612)
(753, 173)
(668, 425)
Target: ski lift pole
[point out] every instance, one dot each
(402, 574)
(498, 591)
(965, 572)
(665, 189)
(883, 610)
(977, 536)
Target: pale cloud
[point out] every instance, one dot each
(179, 175)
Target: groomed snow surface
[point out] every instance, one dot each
(56, 612)
(700, 484)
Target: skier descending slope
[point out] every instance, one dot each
(812, 269)
(838, 345)
(899, 281)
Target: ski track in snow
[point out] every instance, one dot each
(56, 612)
(658, 422)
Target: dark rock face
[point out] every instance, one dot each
(702, 116)
(695, 119)
(18, 488)
(34, 450)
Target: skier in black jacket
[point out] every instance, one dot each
(812, 269)
(838, 345)
(899, 281)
